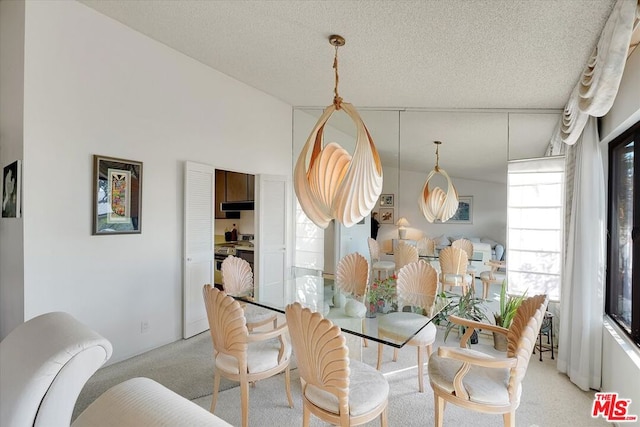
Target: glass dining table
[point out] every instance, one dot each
(317, 293)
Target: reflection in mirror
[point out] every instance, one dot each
(475, 150)
(474, 154)
(317, 248)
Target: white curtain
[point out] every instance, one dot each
(582, 302)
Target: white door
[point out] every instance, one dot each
(273, 201)
(353, 239)
(199, 188)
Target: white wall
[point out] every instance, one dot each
(620, 357)
(11, 149)
(93, 86)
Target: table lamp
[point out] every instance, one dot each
(402, 231)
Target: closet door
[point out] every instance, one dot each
(199, 188)
(273, 201)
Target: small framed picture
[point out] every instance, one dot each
(386, 200)
(11, 190)
(386, 215)
(117, 196)
(464, 214)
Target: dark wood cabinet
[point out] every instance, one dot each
(232, 187)
(237, 184)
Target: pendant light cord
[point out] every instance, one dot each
(437, 168)
(337, 101)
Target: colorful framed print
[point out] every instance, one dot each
(117, 196)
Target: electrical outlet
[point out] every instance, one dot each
(144, 326)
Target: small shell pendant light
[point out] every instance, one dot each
(434, 203)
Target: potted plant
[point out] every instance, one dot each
(381, 296)
(508, 308)
(467, 306)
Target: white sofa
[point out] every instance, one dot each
(46, 361)
(484, 248)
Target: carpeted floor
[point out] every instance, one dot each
(548, 399)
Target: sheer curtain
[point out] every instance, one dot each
(582, 302)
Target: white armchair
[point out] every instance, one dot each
(46, 361)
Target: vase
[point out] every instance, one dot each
(499, 341)
(371, 310)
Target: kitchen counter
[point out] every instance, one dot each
(241, 247)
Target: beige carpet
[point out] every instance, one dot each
(549, 398)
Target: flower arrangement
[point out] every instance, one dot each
(382, 292)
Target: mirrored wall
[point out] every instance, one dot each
(476, 147)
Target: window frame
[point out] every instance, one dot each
(631, 134)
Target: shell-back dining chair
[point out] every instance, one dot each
(336, 389)
(378, 265)
(242, 356)
(417, 286)
(352, 275)
(467, 245)
(491, 277)
(453, 269)
(404, 254)
(481, 382)
(237, 281)
(426, 247)
(352, 278)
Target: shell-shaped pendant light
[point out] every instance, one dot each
(434, 203)
(332, 184)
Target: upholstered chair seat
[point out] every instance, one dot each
(261, 357)
(484, 386)
(404, 324)
(368, 389)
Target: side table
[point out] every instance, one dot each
(547, 330)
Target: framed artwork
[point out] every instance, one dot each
(385, 215)
(386, 200)
(117, 196)
(11, 182)
(464, 214)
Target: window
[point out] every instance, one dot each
(535, 197)
(623, 245)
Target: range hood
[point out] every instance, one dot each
(237, 206)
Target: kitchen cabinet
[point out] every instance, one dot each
(237, 185)
(233, 187)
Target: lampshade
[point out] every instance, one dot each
(402, 231)
(402, 222)
(434, 203)
(332, 184)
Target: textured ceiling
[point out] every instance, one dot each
(399, 54)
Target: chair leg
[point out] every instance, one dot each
(384, 419)
(485, 289)
(216, 386)
(287, 385)
(306, 415)
(421, 368)
(439, 410)
(509, 419)
(395, 354)
(244, 397)
(379, 356)
(429, 351)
